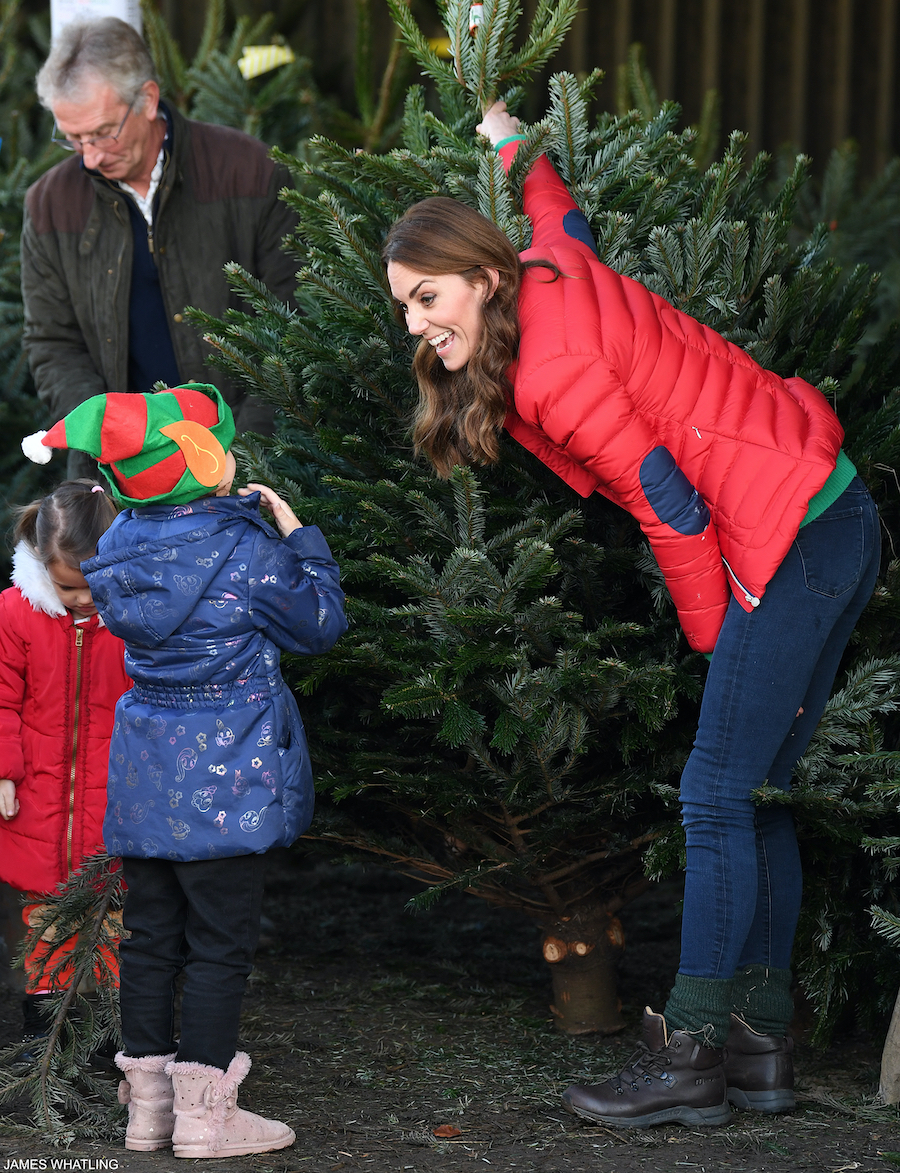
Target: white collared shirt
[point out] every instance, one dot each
(145, 203)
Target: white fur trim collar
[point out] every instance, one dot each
(31, 577)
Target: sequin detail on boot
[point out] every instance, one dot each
(759, 1069)
(208, 1122)
(147, 1091)
(672, 1079)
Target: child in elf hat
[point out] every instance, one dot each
(208, 760)
(61, 673)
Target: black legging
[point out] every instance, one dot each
(203, 918)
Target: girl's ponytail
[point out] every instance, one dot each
(66, 524)
(25, 529)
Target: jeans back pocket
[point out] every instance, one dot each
(831, 549)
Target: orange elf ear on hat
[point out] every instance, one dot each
(163, 447)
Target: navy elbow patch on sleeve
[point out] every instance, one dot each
(576, 225)
(671, 495)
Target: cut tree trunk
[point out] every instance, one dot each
(889, 1084)
(581, 951)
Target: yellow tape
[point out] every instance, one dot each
(259, 59)
(440, 45)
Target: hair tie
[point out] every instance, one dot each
(96, 488)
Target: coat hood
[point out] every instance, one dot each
(208, 755)
(153, 598)
(30, 575)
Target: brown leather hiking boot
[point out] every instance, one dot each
(759, 1069)
(673, 1079)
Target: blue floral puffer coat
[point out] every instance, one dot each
(208, 756)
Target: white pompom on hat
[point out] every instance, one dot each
(152, 447)
(35, 450)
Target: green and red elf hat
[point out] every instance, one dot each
(154, 448)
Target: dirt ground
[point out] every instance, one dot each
(370, 1029)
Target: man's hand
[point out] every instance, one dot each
(9, 804)
(284, 517)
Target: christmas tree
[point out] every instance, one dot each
(274, 99)
(25, 153)
(511, 708)
(277, 101)
(251, 79)
(863, 224)
(66, 1095)
(76, 932)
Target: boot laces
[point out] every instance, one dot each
(645, 1065)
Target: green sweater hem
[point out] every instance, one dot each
(840, 478)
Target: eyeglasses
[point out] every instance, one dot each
(101, 142)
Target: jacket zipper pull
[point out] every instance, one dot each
(150, 240)
(751, 599)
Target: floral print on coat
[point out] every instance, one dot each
(208, 755)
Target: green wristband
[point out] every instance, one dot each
(513, 138)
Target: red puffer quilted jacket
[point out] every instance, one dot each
(59, 683)
(619, 392)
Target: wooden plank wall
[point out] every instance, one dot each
(807, 72)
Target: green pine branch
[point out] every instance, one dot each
(67, 1098)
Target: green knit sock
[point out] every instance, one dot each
(762, 997)
(701, 1006)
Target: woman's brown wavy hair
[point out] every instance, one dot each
(460, 413)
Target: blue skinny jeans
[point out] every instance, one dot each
(743, 881)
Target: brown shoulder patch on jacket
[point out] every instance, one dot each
(61, 200)
(226, 164)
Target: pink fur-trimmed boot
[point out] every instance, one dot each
(208, 1122)
(147, 1091)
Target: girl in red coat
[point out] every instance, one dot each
(61, 673)
(768, 541)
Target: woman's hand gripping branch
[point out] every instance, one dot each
(497, 124)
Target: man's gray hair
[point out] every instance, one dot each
(107, 49)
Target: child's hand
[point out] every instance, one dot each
(9, 804)
(496, 124)
(284, 517)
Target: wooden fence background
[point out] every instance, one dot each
(811, 73)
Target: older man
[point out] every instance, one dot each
(137, 225)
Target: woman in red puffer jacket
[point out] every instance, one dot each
(768, 541)
(61, 673)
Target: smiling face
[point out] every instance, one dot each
(445, 309)
(71, 589)
(99, 110)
